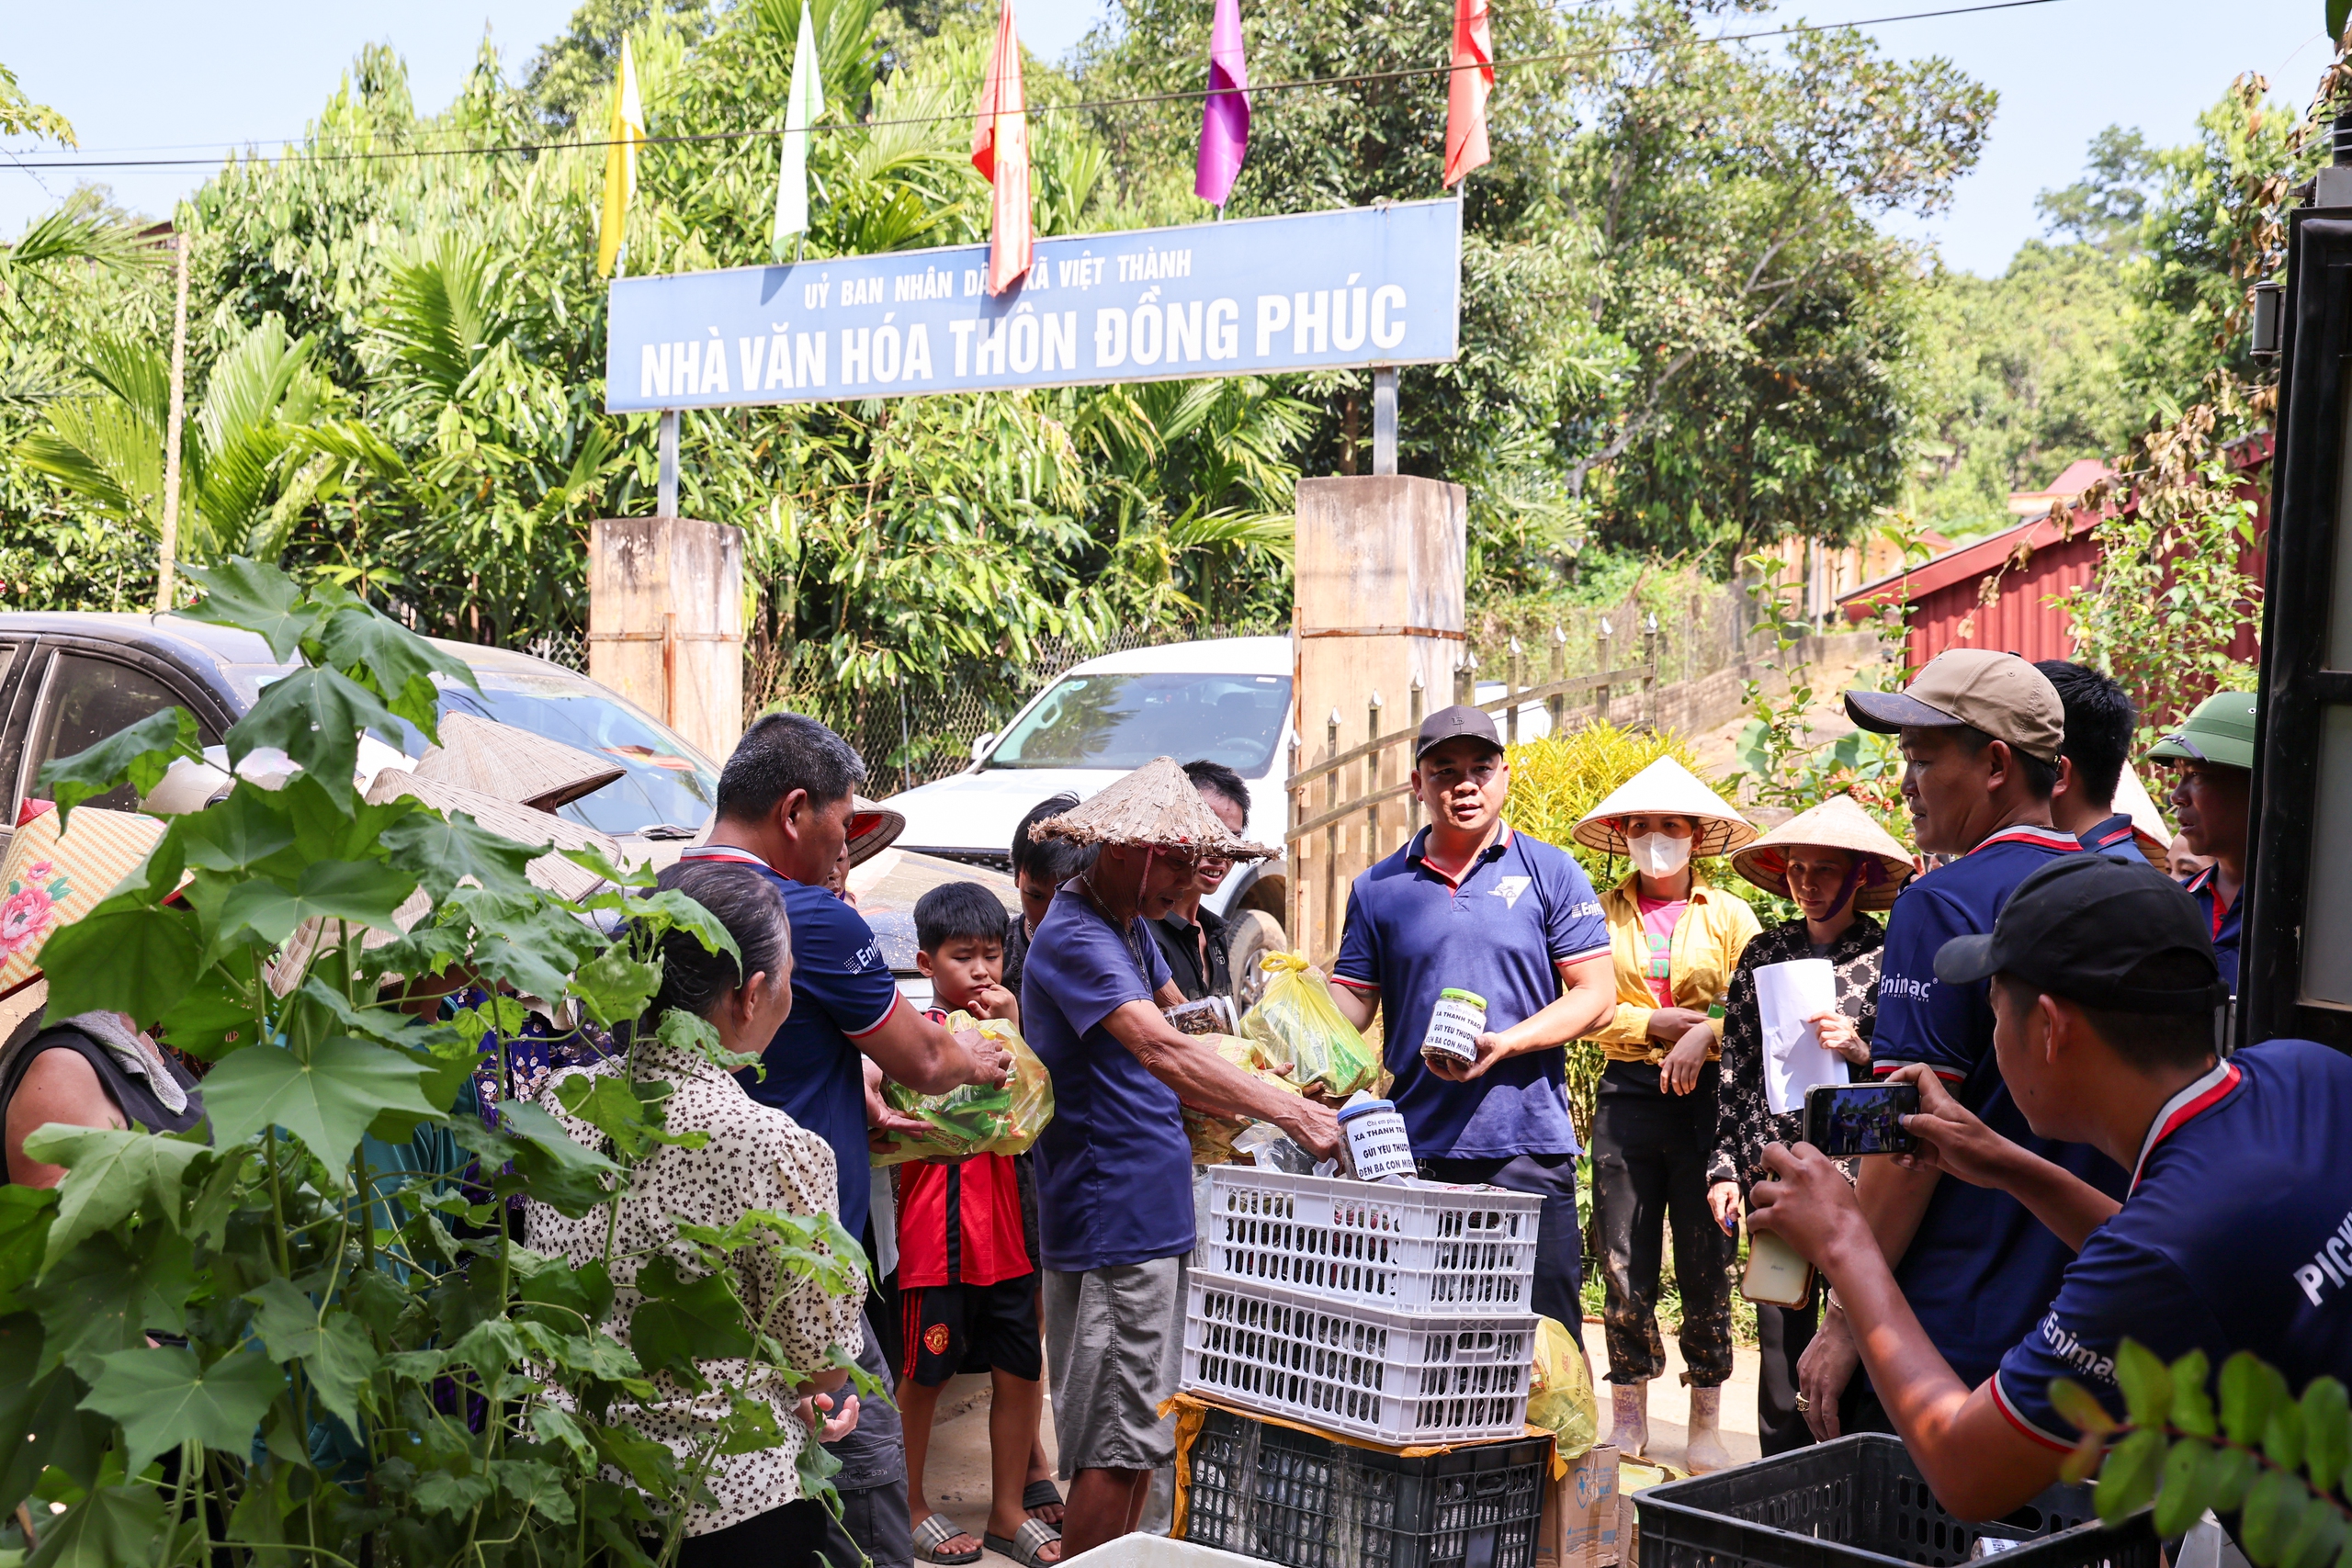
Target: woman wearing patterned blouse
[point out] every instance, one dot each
(1833, 863)
(757, 1157)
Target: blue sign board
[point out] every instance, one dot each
(1315, 291)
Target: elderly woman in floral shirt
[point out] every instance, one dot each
(1834, 863)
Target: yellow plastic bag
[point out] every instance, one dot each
(974, 1120)
(1212, 1137)
(1295, 1023)
(1560, 1390)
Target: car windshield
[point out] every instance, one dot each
(1125, 721)
(665, 780)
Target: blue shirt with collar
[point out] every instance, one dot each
(1522, 909)
(2237, 1235)
(2113, 838)
(841, 991)
(1981, 1269)
(2222, 923)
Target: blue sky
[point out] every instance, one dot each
(151, 76)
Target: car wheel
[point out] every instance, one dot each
(1249, 936)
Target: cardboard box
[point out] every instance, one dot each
(1581, 1515)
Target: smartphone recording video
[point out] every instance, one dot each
(1841, 1119)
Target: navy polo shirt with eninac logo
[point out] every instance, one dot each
(2237, 1235)
(1522, 909)
(1981, 1269)
(2221, 922)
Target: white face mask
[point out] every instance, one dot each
(1659, 854)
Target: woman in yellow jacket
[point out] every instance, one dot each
(1675, 941)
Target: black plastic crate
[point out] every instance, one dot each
(1859, 1502)
(1287, 1497)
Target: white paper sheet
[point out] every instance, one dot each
(1794, 1060)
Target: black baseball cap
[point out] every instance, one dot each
(2083, 926)
(1457, 723)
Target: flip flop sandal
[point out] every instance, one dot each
(1040, 1494)
(935, 1531)
(1032, 1537)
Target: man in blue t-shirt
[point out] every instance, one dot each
(784, 800)
(1115, 1167)
(1981, 738)
(2099, 722)
(2212, 757)
(1470, 905)
(2233, 1233)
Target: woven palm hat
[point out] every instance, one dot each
(1837, 823)
(52, 876)
(1666, 788)
(508, 763)
(1157, 806)
(2148, 828)
(871, 828)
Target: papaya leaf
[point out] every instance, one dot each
(615, 988)
(140, 753)
(590, 857)
(535, 1485)
(110, 1175)
(683, 1031)
(254, 596)
(390, 661)
(25, 1215)
(2080, 1407)
(2327, 1434)
(122, 957)
(315, 717)
(614, 1107)
(2192, 1401)
(237, 833)
(555, 1426)
(112, 1525)
(334, 1348)
(2249, 1389)
(2183, 1494)
(2128, 1478)
(671, 910)
(163, 1396)
(441, 852)
(2146, 1382)
(683, 1321)
(213, 1016)
(442, 1493)
(326, 1098)
(362, 893)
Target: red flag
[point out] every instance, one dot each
(1466, 88)
(1000, 151)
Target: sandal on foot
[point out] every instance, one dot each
(935, 1531)
(1032, 1537)
(1040, 1494)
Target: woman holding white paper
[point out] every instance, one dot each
(1834, 863)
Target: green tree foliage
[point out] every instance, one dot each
(20, 116)
(2107, 207)
(373, 1367)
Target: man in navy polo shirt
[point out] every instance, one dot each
(2213, 762)
(784, 800)
(2099, 721)
(2232, 1236)
(1470, 905)
(1981, 737)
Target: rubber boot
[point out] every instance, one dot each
(1629, 1417)
(1703, 1449)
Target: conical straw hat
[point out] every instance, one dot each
(1666, 788)
(1837, 823)
(508, 763)
(51, 878)
(871, 828)
(1155, 806)
(2148, 829)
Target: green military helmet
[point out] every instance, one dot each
(2220, 730)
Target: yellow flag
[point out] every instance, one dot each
(626, 135)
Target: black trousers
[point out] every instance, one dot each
(796, 1535)
(1649, 1165)
(1558, 1291)
(1782, 1334)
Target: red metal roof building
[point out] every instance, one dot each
(1998, 592)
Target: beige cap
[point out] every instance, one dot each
(1666, 788)
(1837, 823)
(1999, 693)
(512, 764)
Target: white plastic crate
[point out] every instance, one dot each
(1450, 1249)
(1392, 1377)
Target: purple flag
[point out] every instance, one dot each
(1225, 116)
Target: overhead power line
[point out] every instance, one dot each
(1187, 96)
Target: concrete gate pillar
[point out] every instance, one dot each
(665, 623)
(1380, 565)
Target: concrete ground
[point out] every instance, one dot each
(957, 1478)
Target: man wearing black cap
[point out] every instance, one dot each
(1981, 734)
(2234, 1234)
(1469, 904)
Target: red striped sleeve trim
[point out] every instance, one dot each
(2047, 838)
(2032, 1433)
(897, 1001)
(1581, 958)
(1950, 1075)
(1351, 982)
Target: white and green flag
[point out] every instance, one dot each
(803, 101)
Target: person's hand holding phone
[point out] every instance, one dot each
(1950, 1137)
(1807, 1203)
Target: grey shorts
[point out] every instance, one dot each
(1115, 1340)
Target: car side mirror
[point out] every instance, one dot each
(980, 744)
